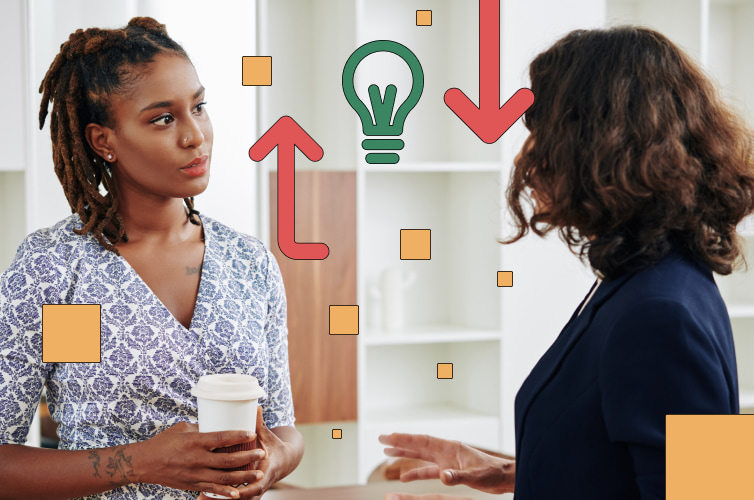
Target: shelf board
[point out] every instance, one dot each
(395, 416)
(438, 166)
(730, 2)
(740, 310)
(427, 335)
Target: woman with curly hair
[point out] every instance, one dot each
(181, 295)
(634, 159)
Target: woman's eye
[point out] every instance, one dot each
(200, 107)
(163, 120)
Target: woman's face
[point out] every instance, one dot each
(162, 139)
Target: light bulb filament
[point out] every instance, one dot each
(382, 109)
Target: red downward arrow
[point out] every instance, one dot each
(489, 121)
(286, 135)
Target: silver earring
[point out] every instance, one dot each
(110, 157)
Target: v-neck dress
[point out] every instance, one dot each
(149, 360)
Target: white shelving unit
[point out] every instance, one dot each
(447, 181)
(452, 310)
(718, 34)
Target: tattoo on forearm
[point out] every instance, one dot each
(119, 465)
(191, 270)
(94, 457)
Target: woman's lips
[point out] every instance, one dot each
(197, 168)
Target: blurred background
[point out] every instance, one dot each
(451, 311)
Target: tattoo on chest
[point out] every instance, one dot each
(192, 270)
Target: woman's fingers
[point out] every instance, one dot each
(253, 490)
(265, 437)
(235, 459)
(221, 439)
(419, 446)
(222, 482)
(228, 478)
(226, 491)
(429, 472)
(267, 442)
(496, 478)
(414, 441)
(452, 477)
(402, 453)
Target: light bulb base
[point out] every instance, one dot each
(382, 158)
(382, 145)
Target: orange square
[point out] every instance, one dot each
(337, 433)
(71, 333)
(344, 320)
(505, 278)
(424, 18)
(722, 442)
(444, 370)
(415, 244)
(256, 70)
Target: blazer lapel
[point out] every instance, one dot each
(549, 364)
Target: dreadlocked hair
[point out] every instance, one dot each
(93, 65)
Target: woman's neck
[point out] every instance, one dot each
(157, 222)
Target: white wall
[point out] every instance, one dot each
(216, 35)
(549, 280)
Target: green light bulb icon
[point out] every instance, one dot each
(381, 122)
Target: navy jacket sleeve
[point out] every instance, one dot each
(658, 359)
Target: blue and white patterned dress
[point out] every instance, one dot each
(149, 359)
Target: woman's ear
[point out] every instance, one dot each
(98, 137)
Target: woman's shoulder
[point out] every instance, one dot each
(44, 259)
(233, 240)
(677, 285)
(60, 232)
(675, 276)
(53, 242)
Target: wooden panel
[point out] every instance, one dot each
(323, 366)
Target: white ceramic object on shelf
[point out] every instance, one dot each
(393, 282)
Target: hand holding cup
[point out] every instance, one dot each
(181, 457)
(229, 402)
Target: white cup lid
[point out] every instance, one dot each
(228, 387)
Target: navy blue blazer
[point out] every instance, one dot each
(590, 418)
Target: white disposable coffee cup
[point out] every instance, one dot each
(228, 402)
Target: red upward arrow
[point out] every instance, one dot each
(489, 121)
(286, 135)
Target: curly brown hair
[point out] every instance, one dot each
(632, 152)
(93, 65)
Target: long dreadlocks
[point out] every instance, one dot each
(93, 65)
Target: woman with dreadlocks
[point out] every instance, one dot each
(181, 295)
